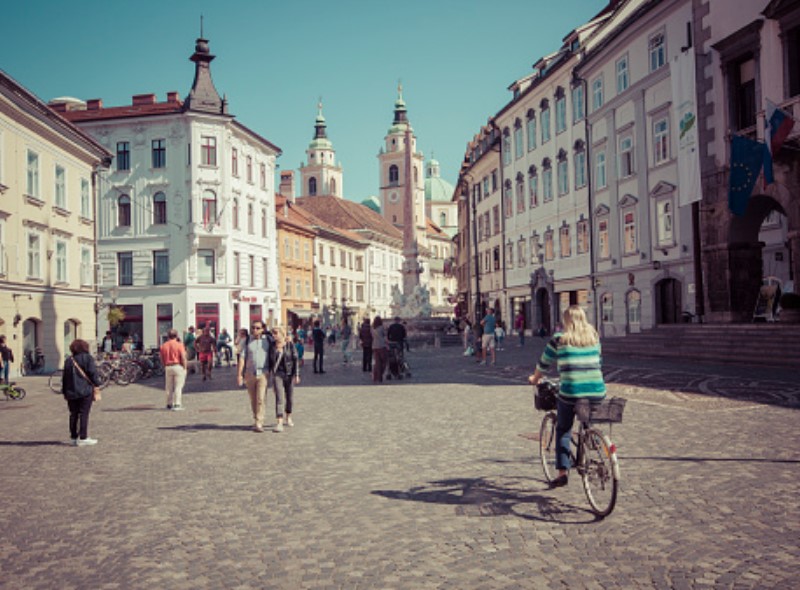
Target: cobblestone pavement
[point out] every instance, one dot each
(429, 482)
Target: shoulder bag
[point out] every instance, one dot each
(96, 394)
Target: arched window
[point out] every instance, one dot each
(531, 124)
(633, 301)
(394, 174)
(70, 333)
(506, 146)
(312, 186)
(518, 146)
(124, 210)
(520, 193)
(250, 219)
(533, 187)
(159, 208)
(209, 207)
(442, 219)
(607, 308)
(263, 223)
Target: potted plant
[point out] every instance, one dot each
(790, 308)
(116, 315)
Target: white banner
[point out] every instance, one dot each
(684, 102)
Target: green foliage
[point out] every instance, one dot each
(116, 315)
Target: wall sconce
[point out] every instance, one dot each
(664, 251)
(656, 265)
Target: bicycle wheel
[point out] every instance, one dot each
(18, 394)
(104, 371)
(55, 381)
(599, 472)
(547, 446)
(123, 374)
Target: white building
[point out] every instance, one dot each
(186, 216)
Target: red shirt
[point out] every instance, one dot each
(172, 353)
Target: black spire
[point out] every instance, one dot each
(204, 96)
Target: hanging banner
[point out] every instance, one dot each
(684, 102)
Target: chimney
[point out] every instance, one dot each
(172, 97)
(143, 99)
(59, 107)
(94, 104)
(286, 187)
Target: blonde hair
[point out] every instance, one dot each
(279, 333)
(577, 329)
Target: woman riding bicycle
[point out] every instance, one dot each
(576, 351)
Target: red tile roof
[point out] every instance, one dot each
(127, 111)
(348, 215)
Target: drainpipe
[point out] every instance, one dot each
(502, 211)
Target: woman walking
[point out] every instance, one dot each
(379, 351)
(285, 370)
(79, 380)
(576, 352)
(365, 334)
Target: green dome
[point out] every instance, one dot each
(373, 203)
(320, 143)
(437, 189)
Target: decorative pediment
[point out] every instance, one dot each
(662, 189)
(628, 201)
(601, 210)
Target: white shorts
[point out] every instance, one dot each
(488, 341)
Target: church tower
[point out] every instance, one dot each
(392, 162)
(320, 176)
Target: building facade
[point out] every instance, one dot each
(186, 215)
(296, 263)
(48, 178)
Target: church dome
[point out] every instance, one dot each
(373, 203)
(437, 189)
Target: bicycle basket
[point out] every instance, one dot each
(609, 410)
(545, 397)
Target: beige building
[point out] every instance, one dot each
(48, 173)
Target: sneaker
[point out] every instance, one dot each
(178, 408)
(482, 362)
(289, 422)
(73, 442)
(278, 427)
(258, 428)
(85, 442)
(169, 406)
(559, 482)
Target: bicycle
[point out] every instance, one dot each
(592, 453)
(32, 362)
(12, 391)
(55, 380)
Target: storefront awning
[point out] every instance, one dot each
(302, 313)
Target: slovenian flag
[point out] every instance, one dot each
(780, 124)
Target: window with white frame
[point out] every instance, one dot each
(534, 248)
(264, 272)
(123, 155)
(549, 247)
(86, 199)
(545, 123)
(601, 180)
(485, 185)
(61, 187)
(580, 166)
(597, 93)
(124, 211)
(603, 243)
(287, 249)
(634, 305)
(519, 146)
(249, 166)
(660, 140)
(563, 173)
(263, 175)
(33, 175)
(577, 103)
(205, 266)
(251, 270)
(521, 252)
(251, 222)
(565, 244)
(506, 146)
(34, 255)
(87, 276)
(582, 236)
(509, 255)
(61, 261)
(520, 193)
(161, 267)
(508, 197)
(159, 153)
(630, 245)
(622, 74)
(125, 268)
(263, 222)
(626, 163)
(234, 161)
(547, 181)
(496, 257)
(533, 187)
(208, 151)
(561, 111)
(159, 208)
(531, 129)
(3, 250)
(237, 268)
(664, 222)
(657, 49)
(607, 308)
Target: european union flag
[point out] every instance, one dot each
(747, 157)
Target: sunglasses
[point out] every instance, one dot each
(258, 328)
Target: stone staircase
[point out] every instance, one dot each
(764, 345)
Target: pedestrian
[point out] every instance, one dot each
(6, 358)
(301, 349)
(519, 326)
(78, 386)
(224, 346)
(188, 342)
(576, 353)
(285, 370)
(175, 361)
(318, 336)
(206, 347)
(107, 346)
(254, 371)
(499, 335)
(379, 352)
(242, 339)
(346, 333)
(365, 335)
(489, 323)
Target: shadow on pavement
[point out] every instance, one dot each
(32, 443)
(143, 408)
(197, 427)
(711, 459)
(482, 497)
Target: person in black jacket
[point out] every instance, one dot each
(6, 358)
(285, 369)
(365, 334)
(319, 347)
(79, 380)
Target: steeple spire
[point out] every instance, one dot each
(400, 115)
(204, 96)
(320, 125)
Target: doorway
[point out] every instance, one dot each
(668, 301)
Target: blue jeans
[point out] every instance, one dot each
(5, 369)
(564, 422)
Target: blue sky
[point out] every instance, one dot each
(455, 58)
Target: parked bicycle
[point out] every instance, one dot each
(32, 362)
(592, 453)
(12, 391)
(55, 381)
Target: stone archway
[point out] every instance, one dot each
(543, 317)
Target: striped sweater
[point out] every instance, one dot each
(579, 368)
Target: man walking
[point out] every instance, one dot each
(206, 346)
(519, 326)
(254, 365)
(319, 347)
(173, 357)
(489, 323)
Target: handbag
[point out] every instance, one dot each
(96, 394)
